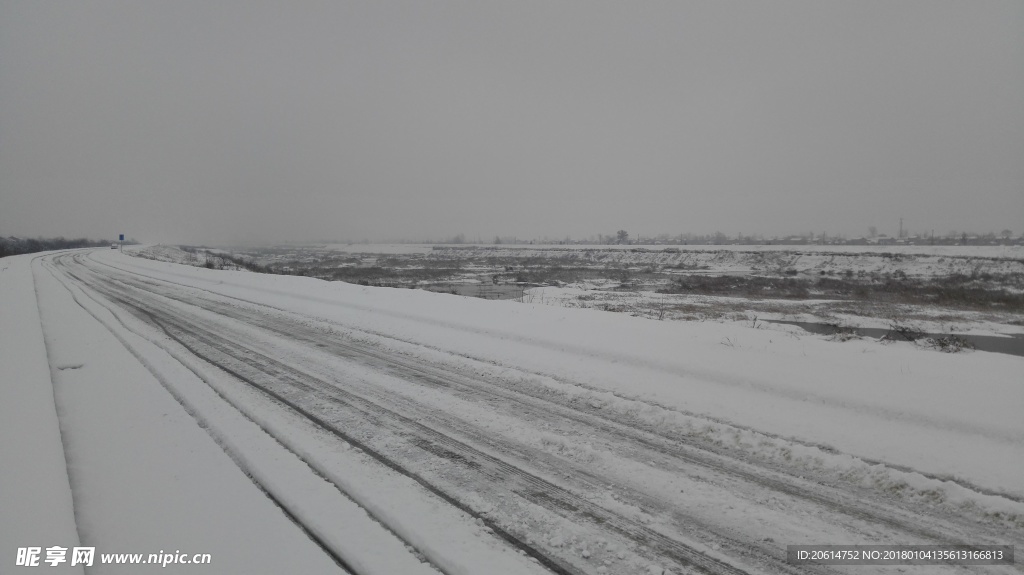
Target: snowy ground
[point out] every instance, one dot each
(637, 280)
(761, 312)
(286, 424)
(1009, 251)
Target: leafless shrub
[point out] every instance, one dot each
(899, 331)
(949, 343)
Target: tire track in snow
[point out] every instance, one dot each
(542, 493)
(716, 377)
(445, 378)
(724, 379)
(682, 448)
(56, 405)
(278, 502)
(143, 312)
(238, 361)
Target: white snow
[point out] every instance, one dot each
(35, 497)
(949, 415)
(166, 454)
(1007, 251)
(144, 477)
(367, 547)
(151, 434)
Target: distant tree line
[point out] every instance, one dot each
(12, 246)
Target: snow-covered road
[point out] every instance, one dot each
(285, 424)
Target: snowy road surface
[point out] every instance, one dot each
(286, 424)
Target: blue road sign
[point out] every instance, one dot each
(122, 237)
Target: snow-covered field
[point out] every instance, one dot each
(1007, 251)
(647, 281)
(287, 424)
(806, 260)
(761, 312)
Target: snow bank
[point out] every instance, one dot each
(35, 497)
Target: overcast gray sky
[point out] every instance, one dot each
(232, 121)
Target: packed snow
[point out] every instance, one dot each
(139, 446)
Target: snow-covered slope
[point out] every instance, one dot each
(887, 402)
